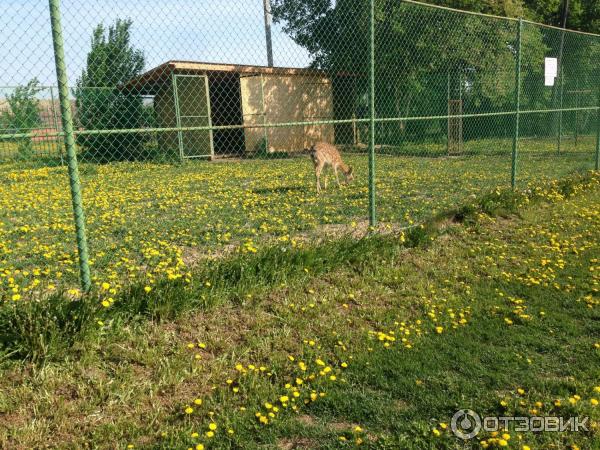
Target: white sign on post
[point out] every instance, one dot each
(550, 71)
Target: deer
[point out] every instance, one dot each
(324, 154)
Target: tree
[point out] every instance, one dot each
(417, 51)
(584, 15)
(101, 100)
(24, 114)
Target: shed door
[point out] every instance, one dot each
(192, 109)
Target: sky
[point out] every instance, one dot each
(228, 31)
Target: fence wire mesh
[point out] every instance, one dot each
(160, 93)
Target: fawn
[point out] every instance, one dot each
(324, 154)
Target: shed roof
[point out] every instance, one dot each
(162, 72)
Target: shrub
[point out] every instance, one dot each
(24, 115)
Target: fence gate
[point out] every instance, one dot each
(192, 109)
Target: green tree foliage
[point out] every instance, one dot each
(102, 101)
(422, 55)
(24, 114)
(419, 52)
(584, 15)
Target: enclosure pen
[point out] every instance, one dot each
(429, 105)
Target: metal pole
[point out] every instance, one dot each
(576, 112)
(372, 212)
(563, 23)
(597, 165)
(55, 118)
(515, 147)
(448, 111)
(67, 124)
(209, 118)
(264, 112)
(460, 105)
(268, 19)
(560, 113)
(178, 117)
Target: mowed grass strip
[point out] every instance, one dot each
(373, 343)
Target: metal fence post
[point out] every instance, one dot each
(67, 125)
(55, 119)
(177, 117)
(597, 165)
(560, 112)
(515, 147)
(372, 212)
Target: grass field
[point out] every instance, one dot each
(147, 221)
(372, 343)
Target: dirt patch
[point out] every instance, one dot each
(191, 256)
(305, 419)
(12, 420)
(341, 426)
(296, 443)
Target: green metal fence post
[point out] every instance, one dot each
(177, 117)
(597, 165)
(448, 111)
(55, 119)
(264, 109)
(67, 125)
(560, 113)
(372, 212)
(515, 147)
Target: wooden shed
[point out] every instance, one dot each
(192, 94)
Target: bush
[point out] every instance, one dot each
(24, 115)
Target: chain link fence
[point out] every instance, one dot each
(185, 135)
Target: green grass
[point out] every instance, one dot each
(128, 378)
(147, 221)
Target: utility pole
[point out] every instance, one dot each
(564, 13)
(563, 24)
(268, 20)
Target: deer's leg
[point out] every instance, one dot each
(337, 177)
(318, 169)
